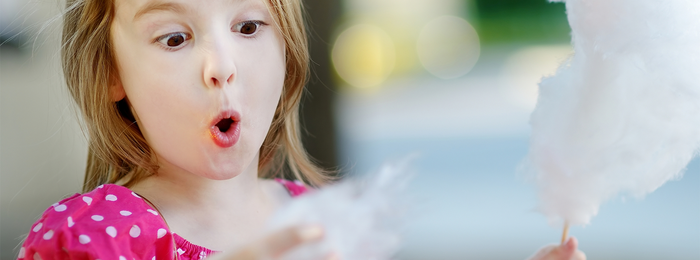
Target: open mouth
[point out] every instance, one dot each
(225, 130)
(225, 124)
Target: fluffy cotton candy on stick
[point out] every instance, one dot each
(361, 216)
(622, 115)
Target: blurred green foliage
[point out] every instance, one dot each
(521, 21)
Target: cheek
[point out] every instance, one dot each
(158, 92)
(172, 124)
(264, 81)
(164, 101)
(157, 85)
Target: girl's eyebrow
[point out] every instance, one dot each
(160, 6)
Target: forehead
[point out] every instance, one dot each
(136, 9)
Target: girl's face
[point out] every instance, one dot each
(203, 79)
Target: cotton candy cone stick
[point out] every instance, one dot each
(566, 233)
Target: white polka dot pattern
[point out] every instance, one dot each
(48, 235)
(108, 222)
(60, 208)
(135, 231)
(111, 197)
(111, 231)
(38, 227)
(84, 239)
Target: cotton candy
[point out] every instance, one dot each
(622, 115)
(361, 216)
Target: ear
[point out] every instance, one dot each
(116, 91)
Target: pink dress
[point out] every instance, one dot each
(111, 223)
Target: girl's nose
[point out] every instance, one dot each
(220, 67)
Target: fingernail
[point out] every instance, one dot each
(311, 233)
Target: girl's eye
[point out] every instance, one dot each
(248, 28)
(174, 40)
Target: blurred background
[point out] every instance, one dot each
(453, 81)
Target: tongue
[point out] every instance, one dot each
(224, 124)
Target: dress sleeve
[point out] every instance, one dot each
(44, 240)
(96, 226)
(295, 188)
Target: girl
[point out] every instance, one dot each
(190, 108)
(186, 105)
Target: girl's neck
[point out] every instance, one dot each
(203, 210)
(178, 188)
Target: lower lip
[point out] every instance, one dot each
(227, 139)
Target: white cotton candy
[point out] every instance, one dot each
(622, 115)
(361, 216)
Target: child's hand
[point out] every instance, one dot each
(566, 251)
(274, 245)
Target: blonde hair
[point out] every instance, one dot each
(116, 147)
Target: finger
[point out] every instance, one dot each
(289, 238)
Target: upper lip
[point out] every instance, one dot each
(229, 113)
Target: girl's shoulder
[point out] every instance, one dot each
(110, 222)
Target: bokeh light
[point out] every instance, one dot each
(448, 47)
(363, 55)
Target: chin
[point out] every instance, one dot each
(228, 168)
(215, 163)
(223, 172)
(221, 177)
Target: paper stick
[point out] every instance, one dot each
(566, 232)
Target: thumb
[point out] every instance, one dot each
(568, 249)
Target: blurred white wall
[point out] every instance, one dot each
(42, 151)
